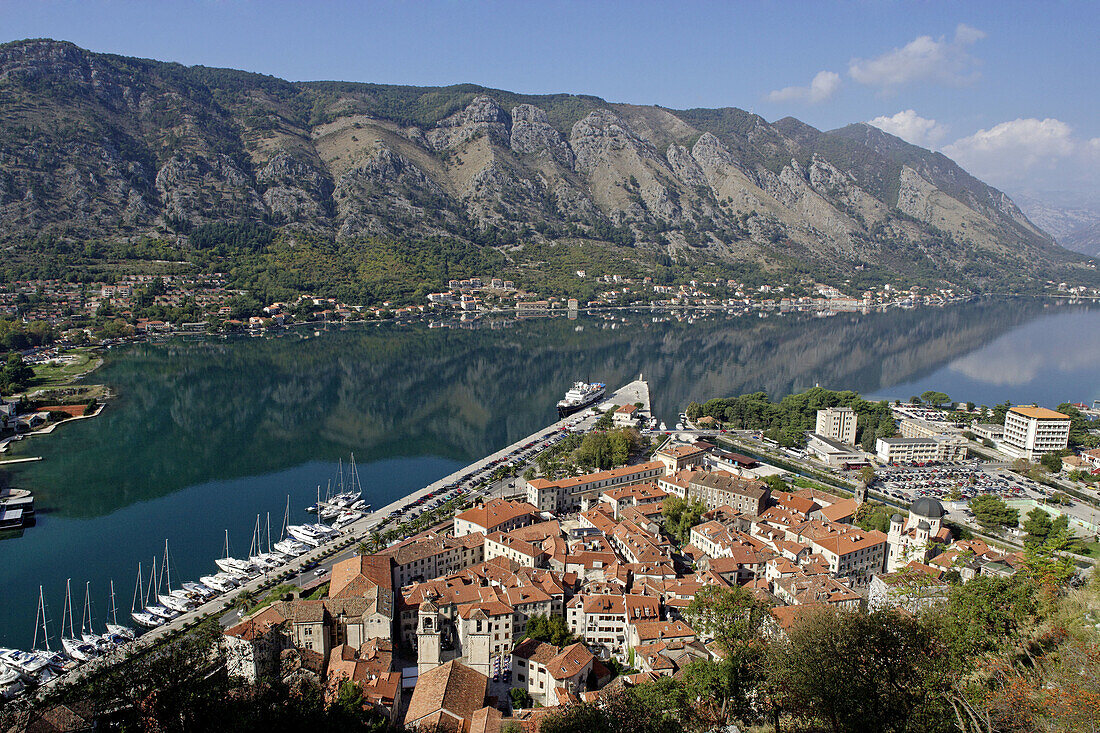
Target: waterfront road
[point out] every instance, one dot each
(358, 531)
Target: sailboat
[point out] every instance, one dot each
(138, 614)
(117, 631)
(233, 566)
(256, 555)
(288, 545)
(38, 665)
(157, 608)
(177, 600)
(102, 644)
(78, 649)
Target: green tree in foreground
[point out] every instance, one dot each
(859, 672)
(1051, 462)
(1037, 525)
(520, 698)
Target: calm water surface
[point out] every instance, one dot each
(203, 435)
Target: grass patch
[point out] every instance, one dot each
(319, 592)
(251, 603)
(57, 375)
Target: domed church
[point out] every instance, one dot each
(913, 539)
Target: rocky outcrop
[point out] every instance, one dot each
(532, 134)
(482, 116)
(195, 190)
(385, 192)
(294, 191)
(684, 166)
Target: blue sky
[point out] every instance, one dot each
(1007, 88)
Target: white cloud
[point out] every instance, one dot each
(823, 86)
(1011, 150)
(1039, 154)
(911, 127)
(923, 59)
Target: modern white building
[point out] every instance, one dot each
(913, 428)
(1032, 431)
(833, 452)
(939, 449)
(837, 423)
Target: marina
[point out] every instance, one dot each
(159, 610)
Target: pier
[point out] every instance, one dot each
(359, 530)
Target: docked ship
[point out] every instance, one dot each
(580, 396)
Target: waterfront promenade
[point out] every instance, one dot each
(358, 531)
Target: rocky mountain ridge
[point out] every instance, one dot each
(95, 145)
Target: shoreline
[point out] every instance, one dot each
(353, 534)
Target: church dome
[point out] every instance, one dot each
(927, 507)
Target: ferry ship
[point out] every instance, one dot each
(580, 396)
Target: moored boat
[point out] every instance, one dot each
(580, 396)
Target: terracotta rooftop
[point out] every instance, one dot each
(493, 514)
(448, 694)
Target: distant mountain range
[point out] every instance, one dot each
(1074, 224)
(97, 145)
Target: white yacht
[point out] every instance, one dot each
(290, 547)
(146, 619)
(11, 682)
(200, 591)
(220, 581)
(30, 664)
(306, 534)
(114, 628)
(76, 648)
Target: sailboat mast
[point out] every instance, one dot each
(68, 607)
(286, 518)
(114, 605)
(167, 568)
(269, 533)
(139, 591)
(152, 583)
(86, 618)
(42, 613)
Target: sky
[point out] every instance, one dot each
(1008, 89)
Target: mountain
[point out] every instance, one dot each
(103, 146)
(1075, 224)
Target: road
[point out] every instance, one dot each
(356, 532)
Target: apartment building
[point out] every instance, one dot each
(837, 423)
(938, 449)
(564, 495)
(1032, 431)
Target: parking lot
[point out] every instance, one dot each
(956, 482)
